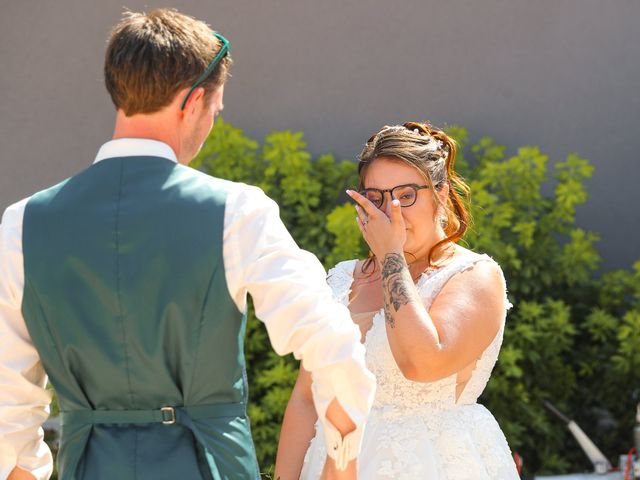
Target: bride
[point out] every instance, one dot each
(432, 317)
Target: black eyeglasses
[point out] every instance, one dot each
(405, 194)
(223, 50)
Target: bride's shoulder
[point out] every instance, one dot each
(465, 259)
(344, 268)
(340, 279)
(476, 274)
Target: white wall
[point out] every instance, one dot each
(562, 75)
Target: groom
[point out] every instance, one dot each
(127, 284)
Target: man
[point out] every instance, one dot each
(127, 285)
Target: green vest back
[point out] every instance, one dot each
(126, 301)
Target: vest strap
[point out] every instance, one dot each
(165, 415)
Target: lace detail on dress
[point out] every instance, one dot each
(340, 279)
(394, 391)
(418, 430)
(482, 371)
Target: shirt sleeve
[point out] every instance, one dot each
(291, 297)
(24, 401)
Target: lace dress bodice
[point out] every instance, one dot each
(420, 430)
(394, 391)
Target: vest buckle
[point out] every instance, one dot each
(168, 415)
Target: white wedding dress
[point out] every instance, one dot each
(420, 430)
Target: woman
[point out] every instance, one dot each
(431, 315)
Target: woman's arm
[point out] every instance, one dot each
(461, 323)
(297, 429)
(20, 474)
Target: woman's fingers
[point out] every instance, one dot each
(362, 216)
(364, 203)
(363, 229)
(396, 214)
(383, 231)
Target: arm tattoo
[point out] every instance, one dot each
(396, 285)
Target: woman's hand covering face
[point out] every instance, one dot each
(384, 231)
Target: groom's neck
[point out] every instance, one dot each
(155, 126)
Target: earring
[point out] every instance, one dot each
(441, 216)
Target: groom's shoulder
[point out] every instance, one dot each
(237, 192)
(344, 267)
(43, 195)
(12, 215)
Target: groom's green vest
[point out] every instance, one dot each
(126, 301)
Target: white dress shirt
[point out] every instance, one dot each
(289, 293)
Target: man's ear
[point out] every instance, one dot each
(193, 101)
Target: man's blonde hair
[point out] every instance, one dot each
(152, 56)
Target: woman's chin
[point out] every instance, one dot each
(409, 247)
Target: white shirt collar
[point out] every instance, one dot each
(135, 147)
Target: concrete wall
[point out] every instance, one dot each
(561, 74)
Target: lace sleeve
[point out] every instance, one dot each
(340, 279)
